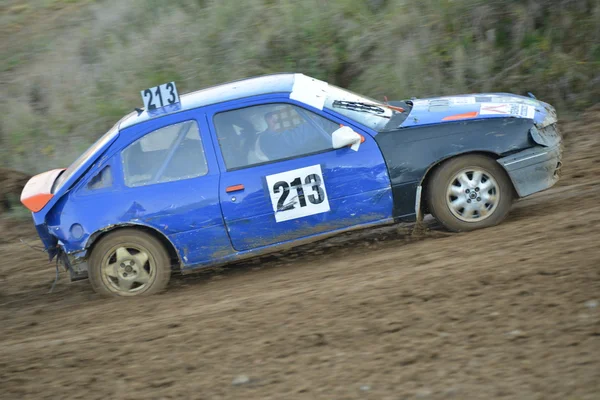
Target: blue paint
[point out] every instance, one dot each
(357, 185)
(242, 255)
(186, 212)
(208, 226)
(198, 217)
(47, 234)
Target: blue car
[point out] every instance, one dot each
(250, 167)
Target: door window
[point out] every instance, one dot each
(167, 154)
(270, 132)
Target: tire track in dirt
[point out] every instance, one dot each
(507, 312)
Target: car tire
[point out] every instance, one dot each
(469, 192)
(127, 263)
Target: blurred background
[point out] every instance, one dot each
(71, 68)
(510, 312)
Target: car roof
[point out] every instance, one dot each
(267, 84)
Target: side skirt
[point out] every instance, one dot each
(244, 255)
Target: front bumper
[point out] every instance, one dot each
(534, 169)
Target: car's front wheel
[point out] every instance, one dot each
(469, 192)
(129, 262)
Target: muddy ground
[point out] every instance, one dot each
(509, 312)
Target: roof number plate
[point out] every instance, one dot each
(160, 96)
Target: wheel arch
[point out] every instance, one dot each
(429, 172)
(161, 237)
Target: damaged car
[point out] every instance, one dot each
(250, 167)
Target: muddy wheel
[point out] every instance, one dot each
(469, 192)
(129, 262)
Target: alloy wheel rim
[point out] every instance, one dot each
(128, 269)
(472, 195)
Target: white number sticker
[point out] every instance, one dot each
(521, 110)
(298, 193)
(160, 96)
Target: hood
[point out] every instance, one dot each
(478, 106)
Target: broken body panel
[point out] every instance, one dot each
(203, 223)
(410, 153)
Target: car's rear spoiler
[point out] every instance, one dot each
(38, 190)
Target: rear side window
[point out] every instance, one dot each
(102, 180)
(167, 154)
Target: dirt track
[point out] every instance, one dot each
(508, 312)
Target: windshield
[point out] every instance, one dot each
(106, 138)
(364, 110)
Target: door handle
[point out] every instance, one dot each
(234, 188)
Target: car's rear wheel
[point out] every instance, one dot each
(469, 192)
(129, 262)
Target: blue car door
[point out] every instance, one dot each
(281, 179)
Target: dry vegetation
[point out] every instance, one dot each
(70, 68)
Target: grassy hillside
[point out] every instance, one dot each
(71, 68)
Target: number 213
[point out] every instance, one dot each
(316, 197)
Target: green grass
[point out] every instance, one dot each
(16, 211)
(61, 91)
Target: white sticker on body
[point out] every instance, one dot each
(309, 91)
(520, 110)
(460, 99)
(298, 193)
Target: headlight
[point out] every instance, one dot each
(547, 136)
(551, 117)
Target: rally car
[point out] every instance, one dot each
(249, 167)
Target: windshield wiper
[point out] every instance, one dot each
(360, 107)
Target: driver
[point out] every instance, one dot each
(231, 142)
(302, 139)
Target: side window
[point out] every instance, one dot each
(168, 154)
(101, 180)
(270, 132)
